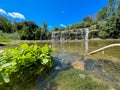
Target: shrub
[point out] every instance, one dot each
(6, 37)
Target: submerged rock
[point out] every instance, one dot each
(58, 68)
(78, 65)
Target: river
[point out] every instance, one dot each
(105, 65)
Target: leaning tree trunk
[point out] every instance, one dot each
(103, 48)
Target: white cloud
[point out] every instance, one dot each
(16, 15)
(62, 25)
(2, 11)
(12, 14)
(50, 26)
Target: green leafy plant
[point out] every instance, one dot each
(24, 60)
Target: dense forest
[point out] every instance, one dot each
(25, 30)
(107, 24)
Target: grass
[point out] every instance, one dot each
(5, 40)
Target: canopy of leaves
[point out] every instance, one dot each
(87, 19)
(102, 14)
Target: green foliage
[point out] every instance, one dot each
(102, 14)
(112, 7)
(84, 24)
(23, 60)
(103, 34)
(87, 19)
(93, 34)
(55, 28)
(5, 25)
(28, 30)
(6, 37)
(112, 28)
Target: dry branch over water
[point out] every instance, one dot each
(103, 48)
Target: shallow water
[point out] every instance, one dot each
(106, 65)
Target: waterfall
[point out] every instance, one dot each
(86, 34)
(82, 33)
(53, 36)
(86, 39)
(76, 35)
(63, 36)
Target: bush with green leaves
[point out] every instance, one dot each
(7, 37)
(25, 60)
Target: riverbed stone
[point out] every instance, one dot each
(78, 65)
(58, 68)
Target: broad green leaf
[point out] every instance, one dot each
(5, 78)
(45, 61)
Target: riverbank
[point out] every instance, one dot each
(30, 41)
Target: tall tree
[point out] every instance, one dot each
(55, 28)
(44, 31)
(5, 25)
(87, 19)
(112, 6)
(44, 25)
(102, 14)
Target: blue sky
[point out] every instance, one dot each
(55, 12)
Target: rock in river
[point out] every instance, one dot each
(78, 65)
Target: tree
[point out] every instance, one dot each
(44, 26)
(24, 32)
(55, 28)
(87, 19)
(112, 7)
(44, 31)
(5, 25)
(38, 34)
(118, 9)
(102, 14)
(112, 28)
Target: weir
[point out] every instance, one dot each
(75, 34)
(67, 34)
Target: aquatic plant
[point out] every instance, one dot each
(25, 60)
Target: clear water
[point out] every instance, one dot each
(106, 65)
